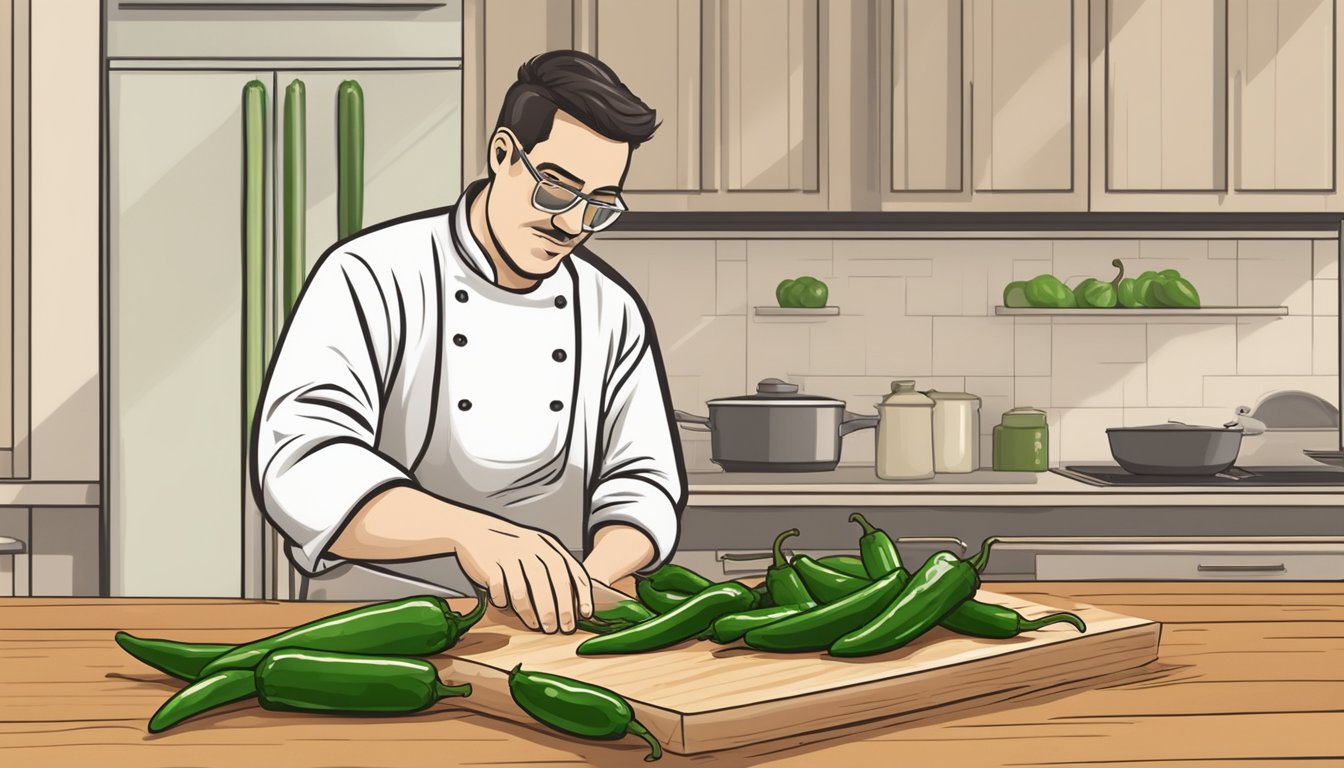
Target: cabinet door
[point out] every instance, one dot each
(1165, 100)
(770, 95)
(175, 335)
(1283, 60)
(1022, 95)
(926, 95)
(412, 146)
(663, 69)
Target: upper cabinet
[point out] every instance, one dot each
(953, 105)
(982, 104)
(1215, 105)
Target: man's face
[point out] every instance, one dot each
(534, 241)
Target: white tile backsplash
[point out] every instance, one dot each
(924, 309)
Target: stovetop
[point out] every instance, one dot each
(1111, 475)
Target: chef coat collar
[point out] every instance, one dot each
(470, 251)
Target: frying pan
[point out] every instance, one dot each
(1175, 448)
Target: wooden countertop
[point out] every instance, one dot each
(1248, 673)
(859, 487)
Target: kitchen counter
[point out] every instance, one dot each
(1246, 673)
(860, 487)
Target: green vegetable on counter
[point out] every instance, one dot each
(979, 619)
(181, 660)
(825, 584)
(626, 610)
(316, 681)
(732, 627)
(1048, 291)
(659, 601)
(577, 708)
(939, 586)
(210, 692)
(782, 581)
(846, 564)
(689, 619)
(412, 626)
(816, 629)
(879, 556)
(671, 577)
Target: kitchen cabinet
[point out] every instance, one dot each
(736, 84)
(982, 104)
(183, 299)
(1169, 559)
(1215, 105)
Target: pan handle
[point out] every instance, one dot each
(854, 421)
(690, 422)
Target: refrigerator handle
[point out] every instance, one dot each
(294, 211)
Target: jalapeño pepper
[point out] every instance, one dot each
(211, 691)
(816, 629)
(181, 660)
(826, 584)
(878, 550)
(626, 610)
(577, 708)
(846, 564)
(939, 585)
(782, 581)
(320, 681)
(657, 600)
(413, 626)
(731, 627)
(684, 622)
(670, 577)
(979, 619)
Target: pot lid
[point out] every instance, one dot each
(1293, 409)
(778, 392)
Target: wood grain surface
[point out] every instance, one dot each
(1248, 674)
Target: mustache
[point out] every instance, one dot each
(560, 236)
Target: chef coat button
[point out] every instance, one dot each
(560, 302)
(460, 340)
(559, 355)
(461, 296)
(464, 405)
(556, 405)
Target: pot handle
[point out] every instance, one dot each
(690, 422)
(854, 421)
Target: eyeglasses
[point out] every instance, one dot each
(551, 196)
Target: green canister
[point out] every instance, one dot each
(1022, 442)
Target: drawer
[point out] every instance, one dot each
(340, 29)
(752, 563)
(1165, 566)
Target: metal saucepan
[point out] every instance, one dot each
(776, 429)
(1175, 448)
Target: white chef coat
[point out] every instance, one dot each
(404, 363)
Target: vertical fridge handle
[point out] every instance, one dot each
(350, 159)
(294, 212)
(254, 248)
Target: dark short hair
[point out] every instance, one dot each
(584, 87)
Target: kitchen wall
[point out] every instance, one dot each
(924, 309)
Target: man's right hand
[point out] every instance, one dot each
(522, 567)
(525, 568)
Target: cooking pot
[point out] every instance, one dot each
(1175, 448)
(776, 430)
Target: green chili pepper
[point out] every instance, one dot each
(934, 591)
(816, 629)
(782, 582)
(181, 660)
(684, 622)
(826, 585)
(657, 600)
(626, 610)
(293, 679)
(675, 578)
(413, 626)
(846, 564)
(878, 551)
(578, 708)
(989, 620)
(211, 691)
(731, 627)
(763, 599)
(599, 627)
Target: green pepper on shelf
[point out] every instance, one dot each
(1177, 292)
(1015, 294)
(1094, 294)
(1048, 291)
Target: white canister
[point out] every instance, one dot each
(956, 431)
(905, 434)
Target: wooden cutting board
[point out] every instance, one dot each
(700, 697)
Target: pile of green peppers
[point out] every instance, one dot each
(1152, 289)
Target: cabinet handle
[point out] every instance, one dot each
(350, 159)
(254, 246)
(1266, 568)
(296, 182)
(291, 5)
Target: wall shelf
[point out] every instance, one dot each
(1201, 312)
(796, 311)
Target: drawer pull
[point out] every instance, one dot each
(1266, 568)
(738, 556)
(261, 5)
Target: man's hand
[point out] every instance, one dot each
(521, 566)
(525, 568)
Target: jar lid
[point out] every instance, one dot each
(903, 393)
(1024, 417)
(935, 395)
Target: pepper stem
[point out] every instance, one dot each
(981, 559)
(444, 691)
(639, 730)
(1054, 618)
(470, 618)
(1120, 265)
(858, 517)
(780, 562)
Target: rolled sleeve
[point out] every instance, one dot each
(315, 461)
(642, 480)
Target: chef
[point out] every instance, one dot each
(468, 395)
